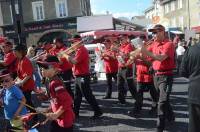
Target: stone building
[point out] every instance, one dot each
(43, 16)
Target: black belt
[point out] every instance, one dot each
(122, 68)
(163, 70)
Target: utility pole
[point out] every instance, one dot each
(18, 22)
(189, 19)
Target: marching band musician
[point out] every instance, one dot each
(110, 66)
(144, 83)
(82, 79)
(162, 52)
(66, 73)
(9, 61)
(24, 74)
(60, 111)
(125, 73)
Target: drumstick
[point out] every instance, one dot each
(32, 108)
(34, 126)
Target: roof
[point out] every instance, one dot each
(99, 34)
(149, 9)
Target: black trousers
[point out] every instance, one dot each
(67, 76)
(82, 88)
(143, 87)
(125, 75)
(194, 118)
(163, 84)
(109, 77)
(54, 127)
(28, 97)
(179, 60)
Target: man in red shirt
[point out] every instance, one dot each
(125, 73)
(24, 73)
(110, 66)
(144, 83)
(9, 61)
(66, 72)
(82, 78)
(162, 52)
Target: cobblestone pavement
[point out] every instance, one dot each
(116, 119)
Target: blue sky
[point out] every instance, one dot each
(120, 8)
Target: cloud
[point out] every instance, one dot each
(128, 15)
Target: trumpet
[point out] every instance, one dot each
(43, 53)
(138, 50)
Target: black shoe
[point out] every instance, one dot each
(122, 102)
(159, 130)
(107, 97)
(171, 118)
(153, 110)
(97, 115)
(135, 113)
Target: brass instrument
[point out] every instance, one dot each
(137, 51)
(71, 49)
(42, 53)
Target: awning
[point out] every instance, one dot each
(177, 32)
(196, 29)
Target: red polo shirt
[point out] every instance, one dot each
(82, 58)
(143, 72)
(61, 98)
(10, 60)
(125, 49)
(166, 66)
(110, 64)
(25, 68)
(65, 65)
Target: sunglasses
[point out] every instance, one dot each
(5, 46)
(5, 81)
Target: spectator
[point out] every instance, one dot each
(179, 52)
(190, 68)
(13, 100)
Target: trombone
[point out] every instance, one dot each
(71, 49)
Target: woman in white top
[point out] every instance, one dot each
(179, 52)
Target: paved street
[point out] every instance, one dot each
(116, 119)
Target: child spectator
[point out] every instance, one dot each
(13, 100)
(61, 102)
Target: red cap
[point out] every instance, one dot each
(3, 40)
(50, 61)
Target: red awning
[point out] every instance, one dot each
(196, 29)
(98, 34)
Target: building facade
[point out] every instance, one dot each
(194, 12)
(41, 16)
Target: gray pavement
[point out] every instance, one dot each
(116, 119)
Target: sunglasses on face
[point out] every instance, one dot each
(5, 81)
(5, 46)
